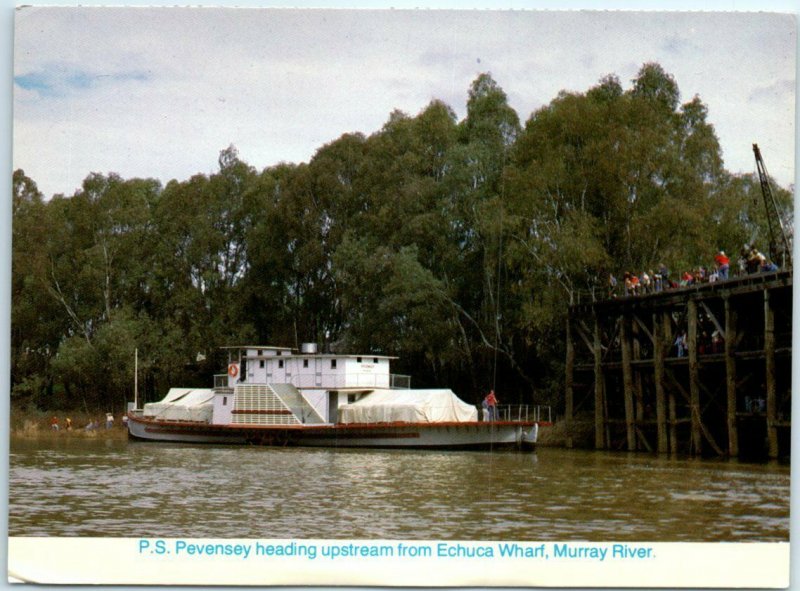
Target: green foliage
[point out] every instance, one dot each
(456, 245)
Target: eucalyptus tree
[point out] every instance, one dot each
(609, 180)
(202, 226)
(397, 244)
(418, 268)
(477, 209)
(37, 322)
(80, 260)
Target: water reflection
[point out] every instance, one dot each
(116, 488)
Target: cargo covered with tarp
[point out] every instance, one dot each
(183, 404)
(408, 406)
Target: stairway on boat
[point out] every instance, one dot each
(272, 404)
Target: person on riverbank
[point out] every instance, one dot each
(54, 424)
(68, 424)
(109, 420)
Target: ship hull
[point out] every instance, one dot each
(463, 435)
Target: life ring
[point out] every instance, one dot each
(233, 370)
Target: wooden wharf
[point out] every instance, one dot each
(728, 395)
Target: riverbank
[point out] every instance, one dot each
(37, 424)
(580, 434)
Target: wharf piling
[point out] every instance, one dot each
(728, 393)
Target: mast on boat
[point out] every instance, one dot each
(136, 378)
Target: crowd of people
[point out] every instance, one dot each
(751, 261)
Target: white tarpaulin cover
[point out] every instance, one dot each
(183, 404)
(408, 406)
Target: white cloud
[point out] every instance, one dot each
(159, 91)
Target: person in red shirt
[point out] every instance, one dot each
(635, 287)
(491, 404)
(628, 284)
(723, 264)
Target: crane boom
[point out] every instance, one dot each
(779, 249)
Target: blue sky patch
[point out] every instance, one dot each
(54, 81)
(36, 81)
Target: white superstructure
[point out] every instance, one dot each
(323, 381)
(307, 370)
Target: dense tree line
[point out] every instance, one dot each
(456, 245)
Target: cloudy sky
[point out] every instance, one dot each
(158, 92)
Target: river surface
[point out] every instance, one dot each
(87, 487)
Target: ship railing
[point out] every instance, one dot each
(399, 381)
(524, 412)
(542, 414)
(513, 412)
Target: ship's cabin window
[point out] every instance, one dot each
(375, 360)
(261, 363)
(333, 364)
(279, 353)
(358, 359)
(280, 364)
(305, 362)
(260, 352)
(224, 401)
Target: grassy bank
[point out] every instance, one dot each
(34, 423)
(556, 435)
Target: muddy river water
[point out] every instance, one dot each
(110, 488)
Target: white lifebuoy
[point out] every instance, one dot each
(233, 370)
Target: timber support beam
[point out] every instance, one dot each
(704, 370)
